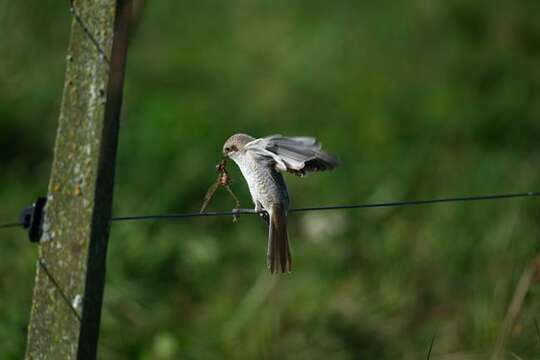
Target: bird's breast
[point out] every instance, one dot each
(266, 185)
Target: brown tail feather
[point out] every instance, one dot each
(279, 253)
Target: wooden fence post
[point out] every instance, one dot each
(68, 292)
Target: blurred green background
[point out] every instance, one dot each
(419, 99)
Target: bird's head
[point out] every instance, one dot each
(235, 144)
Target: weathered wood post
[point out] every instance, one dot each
(68, 293)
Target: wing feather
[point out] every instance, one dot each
(293, 154)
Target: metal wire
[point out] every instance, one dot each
(331, 207)
(62, 294)
(316, 208)
(5, 226)
(87, 31)
(421, 202)
(431, 347)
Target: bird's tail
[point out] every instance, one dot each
(279, 254)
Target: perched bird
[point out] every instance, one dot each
(261, 162)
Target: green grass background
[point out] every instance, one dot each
(418, 98)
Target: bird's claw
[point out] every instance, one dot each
(238, 211)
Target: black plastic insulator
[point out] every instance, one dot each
(32, 219)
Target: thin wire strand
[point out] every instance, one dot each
(87, 31)
(10, 225)
(431, 347)
(331, 207)
(318, 208)
(55, 283)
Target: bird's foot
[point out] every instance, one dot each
(237, 211)
(264, 215)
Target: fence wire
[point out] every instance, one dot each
(314, 208)
(330, 207)
(87, 31)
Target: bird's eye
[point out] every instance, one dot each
(227, 149)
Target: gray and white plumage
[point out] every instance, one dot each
(261, 162)
(297, 155)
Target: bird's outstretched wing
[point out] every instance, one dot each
(297, 155)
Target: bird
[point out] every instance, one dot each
(262, 162)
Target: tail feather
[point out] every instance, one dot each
(279, 253)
